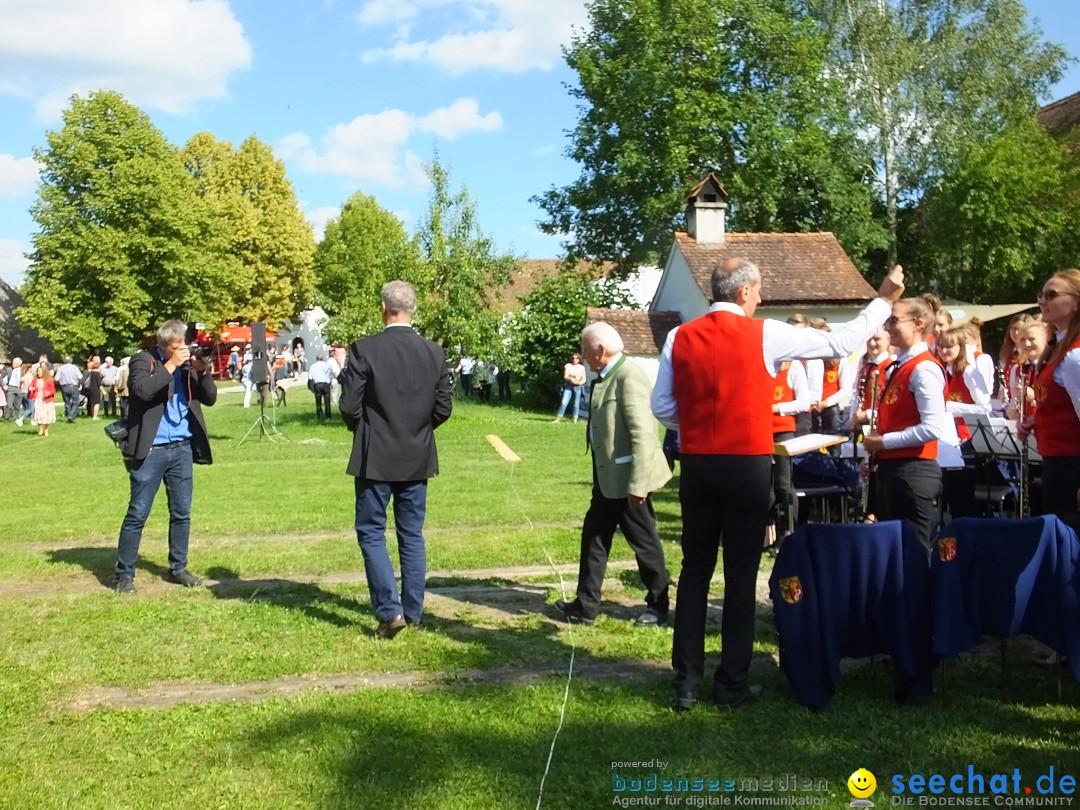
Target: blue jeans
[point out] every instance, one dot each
(171, 463)
(410, 504)
(71, 401)
(568, 391)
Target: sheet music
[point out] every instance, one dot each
(807, 444)
(997, 436)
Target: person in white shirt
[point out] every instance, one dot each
(109, 374)
(14, 391)
(574, 376)
(321, 375)
(965, 396)
(910, 420)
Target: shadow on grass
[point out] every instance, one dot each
(413, 749)
(309, 599)
(101, 562)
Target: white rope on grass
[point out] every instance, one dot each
(566, 692)
(573, 648)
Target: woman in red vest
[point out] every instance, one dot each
(1009, 354)
(965, 395)
(791, 395)
(1057, 396)
(911, 415)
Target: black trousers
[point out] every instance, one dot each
(503, 379)
(322, 401)
(783, 491)
(1060, 481)
(906, 488)
(639, 528)
(725, 500)
(803, 423)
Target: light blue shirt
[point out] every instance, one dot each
(174, 421)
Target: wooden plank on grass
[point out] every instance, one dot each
(501, 448)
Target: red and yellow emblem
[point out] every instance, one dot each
(946, 548)
(892, 394)
(778, 394)
(791, 590)
(1041, 392)
(830, 375)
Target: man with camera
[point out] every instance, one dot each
(167, 387)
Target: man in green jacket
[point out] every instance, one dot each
(628, 464)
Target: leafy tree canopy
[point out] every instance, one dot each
(672, 89)
(124, 241)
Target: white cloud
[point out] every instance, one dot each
(372, 147)
(168, 54)
(544, 151)
(502, 35)
(13, 262)
(18, 176)
(319, 217)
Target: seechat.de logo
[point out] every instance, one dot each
(861, 784)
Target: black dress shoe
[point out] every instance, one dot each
(729, 700)
(573, 613)
(183, 577)
(390, 627)
(683, 700)
(652, 618)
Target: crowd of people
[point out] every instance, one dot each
(28, 392)
(900, 376)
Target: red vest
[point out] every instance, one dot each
(831, 382)
(897, 410)
(721, 386)
(1057, 431)
(956, 390)
(783, 392)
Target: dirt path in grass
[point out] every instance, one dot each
(167, 696)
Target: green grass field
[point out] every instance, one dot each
(267, 690)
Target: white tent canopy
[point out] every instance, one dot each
(963, 312)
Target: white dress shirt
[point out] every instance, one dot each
(928, 386)
(815, 379)
(780, 342)
(1067, 374)
(796, 378)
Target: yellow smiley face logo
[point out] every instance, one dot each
(861, 783)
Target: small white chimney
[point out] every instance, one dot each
(706, 208)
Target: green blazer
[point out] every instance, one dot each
(625, 434)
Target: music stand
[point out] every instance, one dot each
(995, 438)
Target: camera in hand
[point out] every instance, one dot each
(203, 353)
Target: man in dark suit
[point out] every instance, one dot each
(166, 435)
(394, 393)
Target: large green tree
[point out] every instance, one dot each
(124, 240)
(262, 223)
(932, 82)
(547, 327)
(461, 274)
(669, 90)
(1002, 221)
(361, 250)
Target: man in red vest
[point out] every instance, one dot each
(715, 385)
(911, 418)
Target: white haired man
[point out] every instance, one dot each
(722, 412)
(628, 465)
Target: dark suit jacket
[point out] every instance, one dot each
(394, 393)
(150, 386)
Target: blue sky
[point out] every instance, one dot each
(351, 94)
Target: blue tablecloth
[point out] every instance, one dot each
(1006, 578)
(852, 591)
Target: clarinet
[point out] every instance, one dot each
(865, 500)
(1023, 497)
